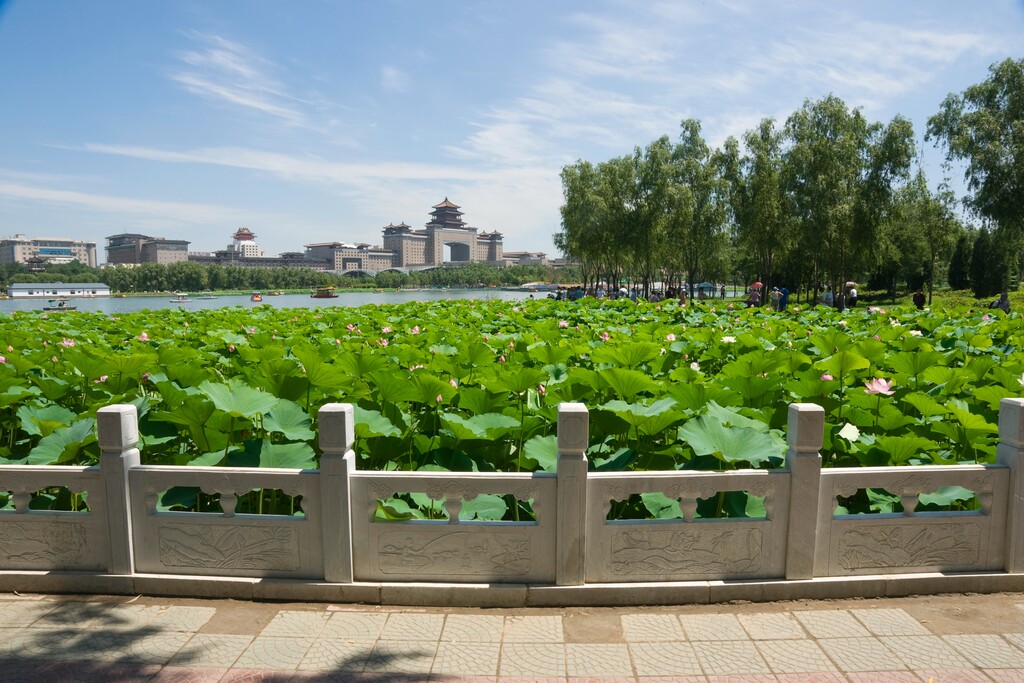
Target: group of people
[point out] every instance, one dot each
(778, 297)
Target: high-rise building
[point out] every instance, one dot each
(43, 250)
(131, 248)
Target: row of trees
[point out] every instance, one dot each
(826, 197)
(194, 277)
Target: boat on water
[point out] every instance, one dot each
(59, 305)
(206, 295)
(326, 292)
(180, 298)
(256, 296)
(275, 292)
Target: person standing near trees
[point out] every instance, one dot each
(851, 298)
(919, 300)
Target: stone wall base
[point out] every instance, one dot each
(509, 595)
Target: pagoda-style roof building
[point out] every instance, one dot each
(447, 216)
(244, 235)
(445, 239)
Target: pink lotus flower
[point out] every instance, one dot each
(415, 329)
(511, 344)
(385, 330)
(605, 336)
(515, 309)
(53, 359)
(415, 367)
(439, 398)
(453, 383)
(541, 389)
(501, 359)
(103, 378)
(67, 343)
(670, 337)
(3, 359)
(563, 323)
(382, 342)
(143, 337)
(878, 386)
(231, 348)
(337, 342)
(10, 348)
(827, 377)
(350, 327)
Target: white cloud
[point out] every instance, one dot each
(393, 79)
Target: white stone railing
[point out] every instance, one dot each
(569, 542)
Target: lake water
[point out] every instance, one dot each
(348, 299)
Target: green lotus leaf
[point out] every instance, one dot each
(900, 449)
(44, 420)
(370, 423)
(946, 495)
(238, 399)
(486, 426)
(286, 455)
(629, 383)
(320, 373)
(542, 450)
(649, 419)
(549, 354)
(289, 419)
(64, 444)
(707, 436)
(392, 387)
(843, 363)
(618, 461)
(486, 507)
(991, 395)
(926, 405)
(661, 506)
(914, 363)
(477, 354)
(361, 363)
(629, 355)
(517, 380)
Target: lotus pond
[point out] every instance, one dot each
(475, 385)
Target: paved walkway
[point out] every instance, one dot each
(94, 638)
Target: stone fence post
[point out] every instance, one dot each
(804, 434)
(337, 430)
(1010, 453)
(117, 431)
(573, 439)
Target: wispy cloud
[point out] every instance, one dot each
(393, 79)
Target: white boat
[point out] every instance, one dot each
(180, 298)
(206, 295)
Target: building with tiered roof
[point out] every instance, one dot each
(446, 229)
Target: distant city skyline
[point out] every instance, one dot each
(327, 121)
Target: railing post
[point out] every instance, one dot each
(1010, 452)
(117, 431)
(804, 434)
(337, 432)
(573, 438)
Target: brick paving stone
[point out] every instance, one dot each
(155, 649)
(401, 657)
(698, 678)
(987, 651)
(354, 626)
(94, 672)
(919, 652)
(664, 659)
(532, 629)
(712, 627)
(211, 650)
(336, 655)
(465, 658)
(601, 679)
(179, 617)
(21, 613)
(816, 677)
(532, 659)
(254, 675)
(860, 654)
(296, 624)
(890, 622)
(651, 627)
(1017, 639)
(401, 626)
(271, 652)
(1004, 675)
(188, 674)
(883, 677)
(730, 657)
(794, 656)
(831, 624)
(955, 676)
(597, 659)
(473, 628)
(746, 678)
(773, 626)
(76, 614)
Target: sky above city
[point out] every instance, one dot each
(325, 120)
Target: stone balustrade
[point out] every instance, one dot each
(567, 551)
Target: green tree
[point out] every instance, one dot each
(984, 127)
(960, 262)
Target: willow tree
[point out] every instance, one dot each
(841, 172)
(584, 235)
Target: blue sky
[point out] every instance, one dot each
(325, 120)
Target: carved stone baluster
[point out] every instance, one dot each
(117, 431)
(337, 429)
(804, 435)
(22, 500)
(453, 506)
(573, 438)
(228, 502)
(1010, 453)
(909, 501)
(688, 504)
